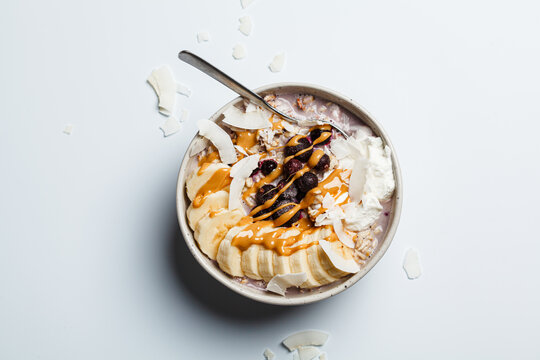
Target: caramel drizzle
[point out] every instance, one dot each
(218, 181)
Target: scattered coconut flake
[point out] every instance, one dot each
(305, 338)
(68, 129)
(411, 264)
(245, 25)
(241, 150)
(221, 140)
(340, 148)
(289, 127)
(163, 83)
(322, 356)
(342, 235)
(268, 354)
(240, 172)
(295, 355)
(358, 180)
(199, 145)
(184, 115)
(170, 126)
(203, 36)
(308, 352)
(252, 120)
(277, 63)
(239, 52)
(340, 263)
(328, 201)
(245, 3)
(183, 89)
(279, 284)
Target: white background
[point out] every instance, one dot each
(92, 265)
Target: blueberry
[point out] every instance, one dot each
(289, 194)
(292, 166)
(283, 210)
(323, 164)
(265, 193)
(267, 166)
(316, 133)
(307, 182)
(303, 143)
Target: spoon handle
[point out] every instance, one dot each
(220, 76)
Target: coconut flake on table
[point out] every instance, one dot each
(349, 265)
(308, 352)
(305, 338)
(170, 126)
(221, 140)
(280, 283)
(239, 52)
(245, 25)
(411, 264)
(245, 3)
(163, 83)
(183, 89)
(239, 173)
(199, 144)
(277, 63)
(269, 354)
(68, 129)
(203, 36)
(252, 120)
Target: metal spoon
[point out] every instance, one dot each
(240, 89)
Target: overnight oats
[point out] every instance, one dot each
(279, 205)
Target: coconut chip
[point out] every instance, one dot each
(240, 172)
(277, 63)
(358, 180)
(245, 25)
(411, 264)
(245, 3)
(268, 354)
(308, 352)
(183, 89)
(241, 150)
(221, 140)
(199, 144)
(203, 36)
(349, 266)
(162, 80)
(252, 120)
(68, 129)
(342, 235)
(170, 126)
(279, 283)
(304, 339)
(239, 52)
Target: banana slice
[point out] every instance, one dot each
(266, 264)
(195, 181)
(229, 257)
(299, 263)
(213, 202)
(211, 230)
(281, 264)
(341, 251)
(317, 269)
(250, 262)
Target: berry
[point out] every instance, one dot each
(289, 194)
(307, 182)
(292, 166)
(303, 143)
(283, 210)
(267, 166)
(316, 133)
(323, 164)
(265, 193)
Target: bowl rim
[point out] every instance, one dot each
(307, 297)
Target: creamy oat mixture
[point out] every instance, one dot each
(278, 204)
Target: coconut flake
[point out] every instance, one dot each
(170, 126)
(358, 180)
(277, 63)
(241, 150)
(221, 140)
(163, 83)
(183, 89)
(199, 144)
(322, 356)
(240, 172)
(328, 201)
(252, 120)
(239, 52)
(349, 266)
(279, 283)
(68, 129)
(308, 352)
(342, 235)
(245, 25)
(245, 3)
(203, 36)
(268, 354)
(411, 264)
(305, 338)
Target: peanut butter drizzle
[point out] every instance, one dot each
(265, 180)
(294, 141)
(205, 161)
(246, 139)
(218, 181)
(264, 216)
(315, 157)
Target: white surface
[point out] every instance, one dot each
(91, 264)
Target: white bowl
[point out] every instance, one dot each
(297, 298)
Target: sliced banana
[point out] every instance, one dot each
(195, 180)
(299, 263)
(213, 202)
(212, 228)
(317, 269)
(281, 264)
(266, 264)
(340, 250)
(250, 262)
(229, 257)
